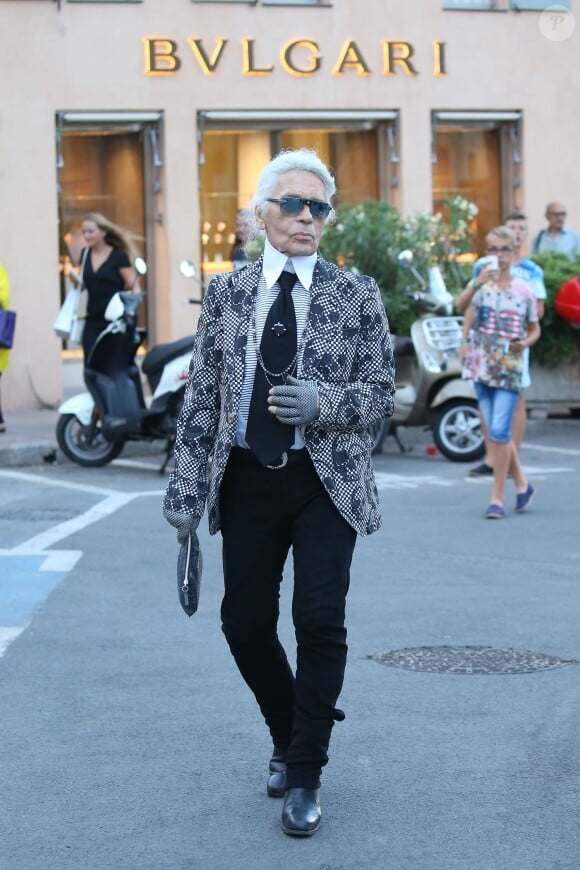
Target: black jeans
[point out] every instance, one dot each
(263, 514)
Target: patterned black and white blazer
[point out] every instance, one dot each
(347, 351)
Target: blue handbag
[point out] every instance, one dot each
(7, 325)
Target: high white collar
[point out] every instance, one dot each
(275, 261)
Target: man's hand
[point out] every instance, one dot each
(295, 402)
(184, 523)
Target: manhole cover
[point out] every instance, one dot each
(469, 660)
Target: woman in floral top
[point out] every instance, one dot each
(501, 321)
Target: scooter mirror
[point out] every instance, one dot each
(187, 269)
(405, 259)
(140, 266)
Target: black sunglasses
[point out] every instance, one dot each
(295, 205)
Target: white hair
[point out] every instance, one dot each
(286, 161)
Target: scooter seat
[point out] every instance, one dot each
(402, 346)
(160, 355)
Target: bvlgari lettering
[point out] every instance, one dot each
(161, 57)
(298, 57)
(207, 64)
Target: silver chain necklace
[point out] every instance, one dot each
(289, 368)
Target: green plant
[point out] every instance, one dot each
(367, 239)
(559, 343)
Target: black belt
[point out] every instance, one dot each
(289, 457)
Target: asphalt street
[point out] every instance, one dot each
(128, 739)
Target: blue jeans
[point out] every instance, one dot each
(497, 409)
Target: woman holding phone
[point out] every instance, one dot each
(501, 321)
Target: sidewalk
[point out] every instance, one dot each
(30, 438)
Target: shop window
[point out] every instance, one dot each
(528, 5)
(360, 147)
(478, 155)
(104, 1)
(475, 5)
(504, 5)
(272, 2)
(108, 162)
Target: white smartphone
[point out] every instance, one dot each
(491, 260)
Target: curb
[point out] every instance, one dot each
(45, 451)
(33, 453)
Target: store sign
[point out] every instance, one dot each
(298, 57)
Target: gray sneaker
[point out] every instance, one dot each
(483, 470)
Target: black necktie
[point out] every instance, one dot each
(267, 437)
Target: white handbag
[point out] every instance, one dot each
(67, 325)
(77, 329)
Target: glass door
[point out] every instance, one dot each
(103, 167)
(477, 157)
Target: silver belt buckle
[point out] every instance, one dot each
(284, 461)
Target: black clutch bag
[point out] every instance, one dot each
(189, 566)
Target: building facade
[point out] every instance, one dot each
(162, 113)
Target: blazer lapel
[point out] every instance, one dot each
(242, 286)
(329, 298)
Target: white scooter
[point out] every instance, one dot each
(93, 427)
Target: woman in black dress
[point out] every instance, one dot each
(108, 269)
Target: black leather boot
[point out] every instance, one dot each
(301, 812)
(277, 773)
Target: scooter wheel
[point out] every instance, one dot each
(457, 431)
(85, 445)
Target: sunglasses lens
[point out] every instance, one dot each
(319, 209)
(293, 205)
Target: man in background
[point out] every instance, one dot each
(555, 237)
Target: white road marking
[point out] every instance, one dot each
(547, 469)
(529, 470)
(404, 481)
(113, 501)
(407, 481)
(7, 635)
(63, 530)
(141, 464)
(567, 451)
(62, 561)
(57, 533)
(39, 479)
(55, 560)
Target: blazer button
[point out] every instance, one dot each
(231, 417)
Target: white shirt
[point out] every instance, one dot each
(274, 263)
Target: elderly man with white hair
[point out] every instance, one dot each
(292, 363)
